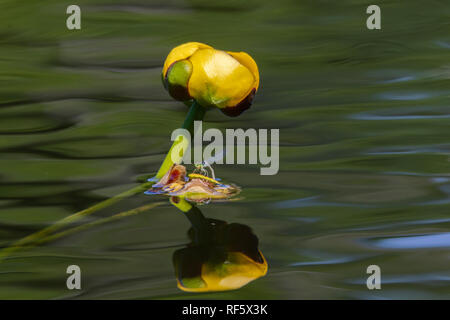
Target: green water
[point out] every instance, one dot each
(364, 124)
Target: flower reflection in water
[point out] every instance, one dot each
(221, 256)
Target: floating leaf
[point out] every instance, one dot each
(194, 187)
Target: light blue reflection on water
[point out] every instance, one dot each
(405, 96)
(409, 278)
(441, 240)
(323, 262)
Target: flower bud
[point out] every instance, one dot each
(214, 78)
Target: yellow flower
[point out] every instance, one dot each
(214, 78)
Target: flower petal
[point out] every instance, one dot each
(245, 59)
(181, 52)
(218, 79)
(177, 78)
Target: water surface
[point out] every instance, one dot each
(364, 145)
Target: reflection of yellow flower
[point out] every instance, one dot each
(214, 78)
(235, 272)
(220, 257)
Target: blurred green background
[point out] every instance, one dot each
(364, 124)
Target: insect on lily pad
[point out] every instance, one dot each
(195, 187)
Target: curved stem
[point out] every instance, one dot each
(195, 217)
(72, 218)
(97, 222)
(196, 112)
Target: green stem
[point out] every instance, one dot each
(97, 222)
(196, 112)
(72, 218)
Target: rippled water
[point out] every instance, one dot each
(364, 145)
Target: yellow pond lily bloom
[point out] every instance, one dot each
(214, 78)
